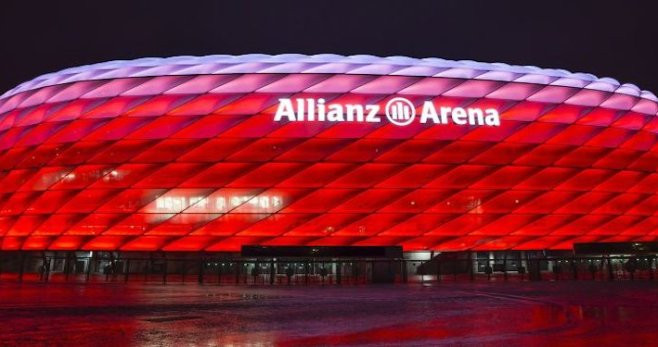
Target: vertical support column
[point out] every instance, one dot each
(601, 264)
(238, 266)
(306, 271)
(46, 274)
(333, 272)
(272, 271)
(125, 275)
(108, 268)
(255, 272)
(74, 265)
(523, 264)
(246, 273)
(372, 272)
(202, 267)
(574, 268)
(164, 272)
(67, 266)
(115, 263)
(488, 269)
(528, 268)
(149, 263)
(505, 265)
(22, 266)
(90, 262)
(42, 269)
(471, 265)
(339, 272)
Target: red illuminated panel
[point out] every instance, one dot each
(128, 156)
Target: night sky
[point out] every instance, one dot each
(615, 39)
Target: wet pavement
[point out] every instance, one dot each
(578, 313)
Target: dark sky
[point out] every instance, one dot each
(616, 39)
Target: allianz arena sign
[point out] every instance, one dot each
(398, 111)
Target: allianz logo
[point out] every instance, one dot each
(399, 111)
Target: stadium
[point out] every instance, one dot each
(324, 153)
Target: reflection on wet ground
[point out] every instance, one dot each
(546, 313)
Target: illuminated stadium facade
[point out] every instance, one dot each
(207, 154)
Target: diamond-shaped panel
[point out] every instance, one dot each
(184, 154)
